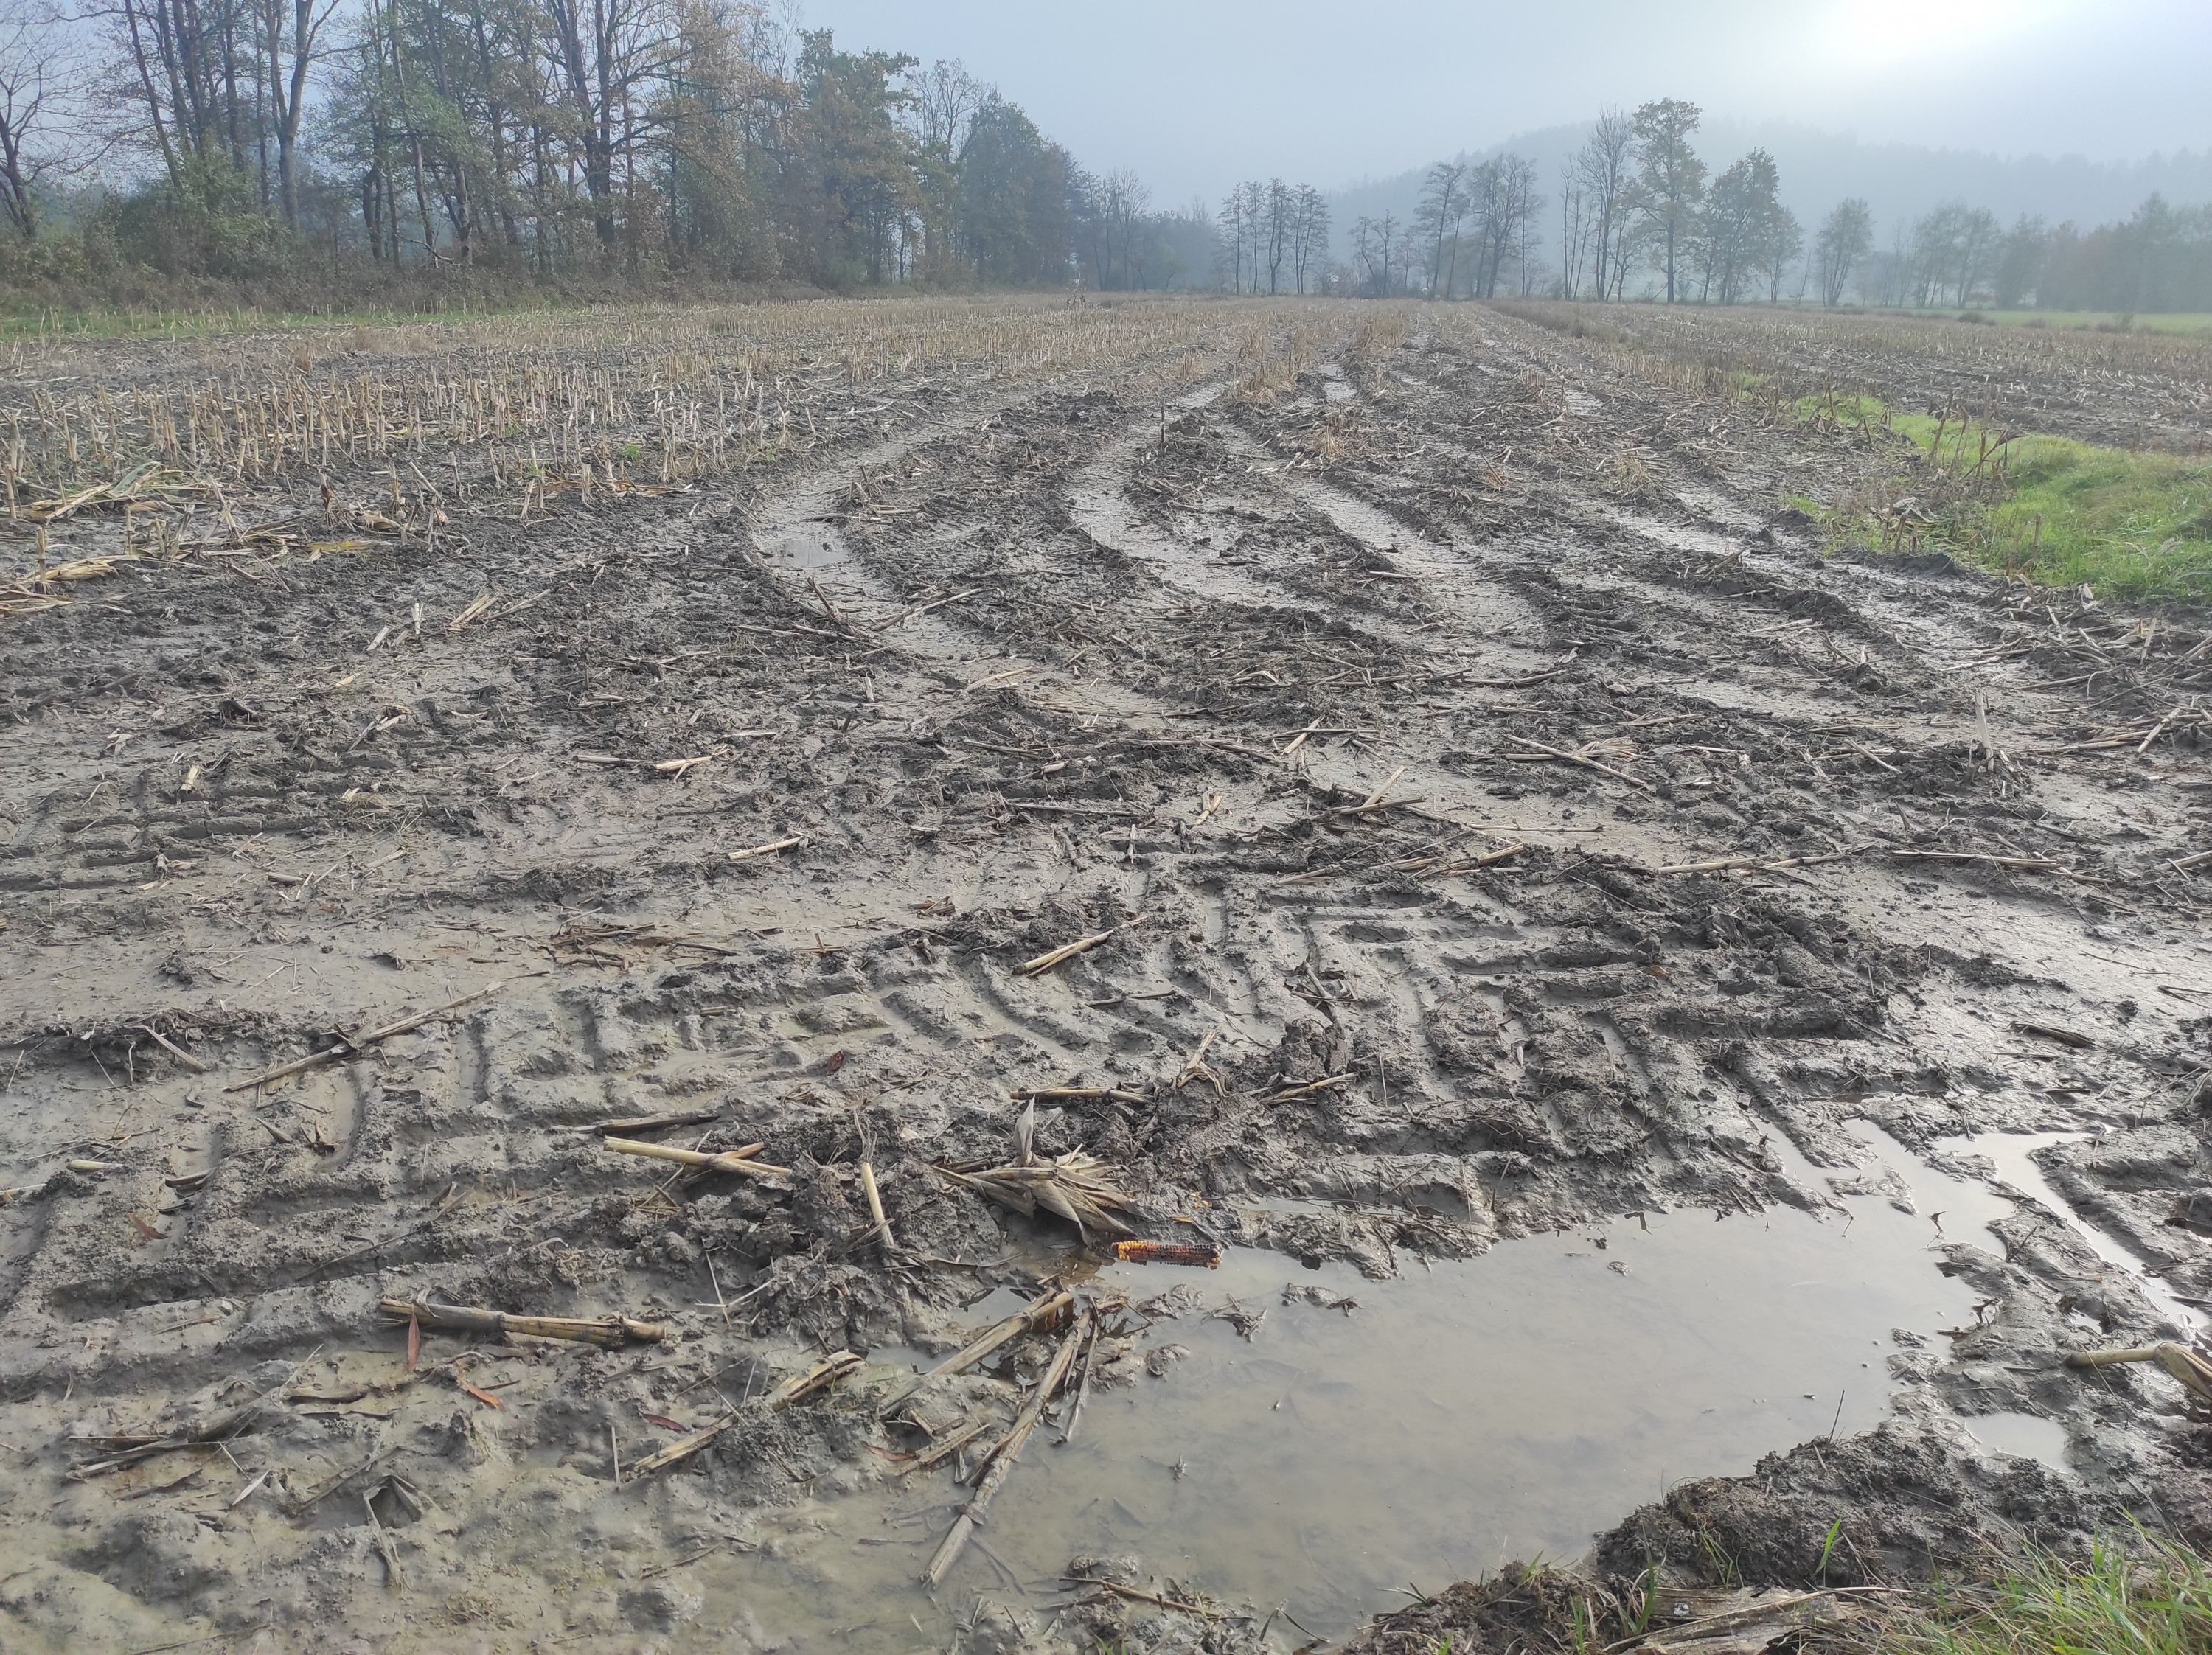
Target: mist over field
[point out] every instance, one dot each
(2026, 107)
(1899, 181)
(2050, 154)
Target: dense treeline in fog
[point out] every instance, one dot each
(2161, 259)
(608, 140)
(315, 148)
(1638, 213)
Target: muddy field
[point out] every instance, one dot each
(1494, 821)
(2138, 389)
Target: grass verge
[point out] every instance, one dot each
(2140, 1594)
(2128, 522)
(2155, 1601)
(2093, 321)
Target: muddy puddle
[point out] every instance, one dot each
(1966, 1185)
(1315, 1439)
(2021, 1436)
(2011, 1155)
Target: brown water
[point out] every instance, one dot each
(1471, 1414)
(2012, 1155)
(2021, 1436)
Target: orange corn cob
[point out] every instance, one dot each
(1167, 1253)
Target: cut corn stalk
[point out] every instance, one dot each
(820, 1376)
(1001, 1458)
(1039, 1313)
(2178, 1360)
(1044, 962)
(609, 1330)
(1072, 1186)
(141, 482)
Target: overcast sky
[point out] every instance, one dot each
(1196, 94)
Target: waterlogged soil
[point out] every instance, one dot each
(2135, 389)
(1702, 1154)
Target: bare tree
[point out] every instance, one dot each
(1407, 255)
(1309, 245)
(1631, 240)
(177, 59)
(1252, 200)
(608, 53)
(1278, 224)
(1377, 246)
(1672, 176)
(1846, 235)
(289, 32)
(1574, 231)
(1240, 234)
(946, 101)
(1893, 268)
(1522, 203)
(41, 132)
(1979, 238)
(1128, 205)
(1605, 166)
(1229, 239)
(1443, 205)
(1502, 199)
(1785, 238)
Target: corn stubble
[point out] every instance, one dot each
(262, 447)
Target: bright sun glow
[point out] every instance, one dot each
(1899, 33)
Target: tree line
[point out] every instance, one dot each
(717, 141)
(1639, 214)
(1273, 238)
(1961, 257)
(1634, 201)
(1472, 236)
(705, 139)
(1637, 197)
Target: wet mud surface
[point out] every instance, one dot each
(2126, 389)
(1515, 852)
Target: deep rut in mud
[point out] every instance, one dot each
(1508, 823)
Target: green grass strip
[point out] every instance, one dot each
(2155, 1601)
(2127, 523)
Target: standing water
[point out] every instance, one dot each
(1476, 1412)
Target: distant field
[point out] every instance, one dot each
(2144, 389)
(2182, 322)
(2068, 457)
(2074, 321)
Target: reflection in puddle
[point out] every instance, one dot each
(1979, 1202)
(2012, 1153)
(2023, 1436)
(1958, 1208)
(1473, 1413)
(1493, 1409)
(806, 546)
(1500, 1408)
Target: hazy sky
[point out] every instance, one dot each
(1195, 93)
